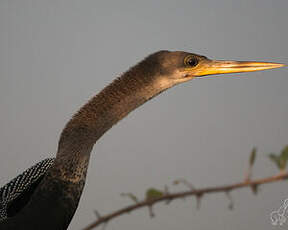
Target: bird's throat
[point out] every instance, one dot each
(113, 103)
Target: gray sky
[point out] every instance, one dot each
(55, 55)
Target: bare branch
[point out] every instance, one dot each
(196, 192)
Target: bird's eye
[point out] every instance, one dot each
(191, 61)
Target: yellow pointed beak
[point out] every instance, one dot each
(209, 67)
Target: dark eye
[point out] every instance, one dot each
(192, 61)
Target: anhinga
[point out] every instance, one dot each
(46, 196)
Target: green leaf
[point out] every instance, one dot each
(273, 157)
(252, 157)
(282, 163)
(131, 196)
(284, 156)
(153, 193)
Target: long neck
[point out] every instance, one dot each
(104, 110)
(96, 117)
(60, 190)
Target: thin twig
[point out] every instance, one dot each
(197, 192)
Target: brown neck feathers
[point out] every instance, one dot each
(113, 103)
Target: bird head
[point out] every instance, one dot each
(177, 67)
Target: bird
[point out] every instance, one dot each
(47, 195)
